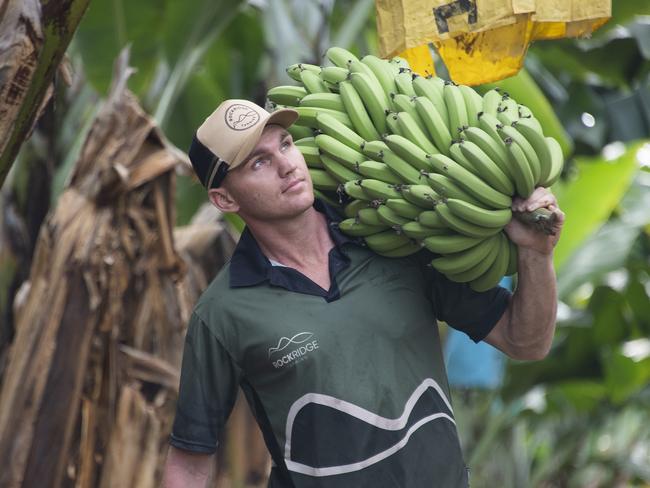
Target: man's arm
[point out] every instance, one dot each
(185, 469)
(526, 328)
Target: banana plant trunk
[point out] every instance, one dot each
(34, 36)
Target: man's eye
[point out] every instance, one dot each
(258, 162)
(286, 144)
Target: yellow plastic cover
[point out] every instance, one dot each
(481, 40)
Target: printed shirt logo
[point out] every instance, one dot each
(305, 345)
(241, 117)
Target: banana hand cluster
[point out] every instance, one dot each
(418, 161)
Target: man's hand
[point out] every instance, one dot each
(526, 236)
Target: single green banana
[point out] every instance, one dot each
(493, 275)
(475, 214)
(509, 132)
(470, 182)
(401, 167)
(409, 151)
(351, 209)
(360, 67)
(491, 125)
(340, 172)
(404, 103)
(373, 98)
(557, 162)
(379, 171)
(460, 262)
(354, 190)
(299, 132)
(294, 70)
(411, 130)
(462, 226)
(480, 268)
(390, 217)
(488, 169)
(456, 109)
(357, 66)
(401, 252)
(357, 112)
(507, 112)
(447, 188)
(339, 151)
(535, 137)
(334, 75)
(354, 228)
(369, 216)
(429, 88)
(313, 82)
(421, 195)
(312, 156)
(374, 149)
(417, 231)
(495, 150)
(434, 123)
(309, 141)
(520, 168)
(401, 63)
(403, 208)
(473, 104)
(333, 127)
(458, 155)
(340, 57)
(491, 101)
(512, 256)
(307, 116)
(330, 101)
(384, 71)
(386, 241)
(322, 180)
(430, 218)
(286, 95)
(391, 123)
(445, 244)
(525, 113)
(379, 189)
(404, 83)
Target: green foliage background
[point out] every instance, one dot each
(575, 419)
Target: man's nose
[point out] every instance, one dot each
(286, 164)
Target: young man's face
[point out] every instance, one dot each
(273, 183)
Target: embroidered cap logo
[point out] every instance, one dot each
(241, 117)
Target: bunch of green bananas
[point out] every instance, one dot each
(419, 161)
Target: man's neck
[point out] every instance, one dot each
(300, 242)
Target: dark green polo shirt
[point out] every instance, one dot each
(348, 384)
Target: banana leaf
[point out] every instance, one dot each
(589, 200)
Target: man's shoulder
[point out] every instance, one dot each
(216, 293)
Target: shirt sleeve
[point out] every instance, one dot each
(472, 312)
(207, 393)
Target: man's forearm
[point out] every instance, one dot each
(187, 470)
(533, 308)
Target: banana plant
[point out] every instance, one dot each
(29, 72)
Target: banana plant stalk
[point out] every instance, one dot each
(37, 36)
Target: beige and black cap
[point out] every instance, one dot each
(229, 135)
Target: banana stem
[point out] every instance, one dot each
(542, 218)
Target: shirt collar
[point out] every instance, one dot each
(249, 266)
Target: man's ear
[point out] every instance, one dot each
(223, 200)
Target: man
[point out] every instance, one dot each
(335, 347)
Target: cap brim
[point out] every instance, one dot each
(283, 117)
